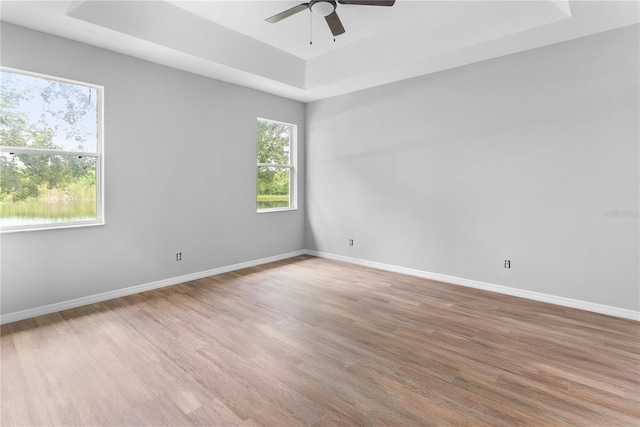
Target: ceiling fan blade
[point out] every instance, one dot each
(369, 2)
(334, 24)
(287, 13)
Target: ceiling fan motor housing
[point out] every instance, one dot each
(322, 7)
(326, 9)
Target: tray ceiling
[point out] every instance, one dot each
(230, 40)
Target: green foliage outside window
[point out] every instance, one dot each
(46, 116)
(273, 151)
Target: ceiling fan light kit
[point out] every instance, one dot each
(323, 8)
(327, 9)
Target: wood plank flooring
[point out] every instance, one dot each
(313, 342)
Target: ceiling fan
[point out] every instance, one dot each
(327, 8)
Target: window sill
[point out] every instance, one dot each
(260, 211)
(58, 226)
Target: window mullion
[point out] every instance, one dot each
(28, 150)
(273, 165)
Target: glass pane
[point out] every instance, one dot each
(43, 113)
(273, 142)
(273, 188)
(40, 189)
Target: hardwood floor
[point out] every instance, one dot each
(308, 341)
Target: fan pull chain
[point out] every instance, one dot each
(310, 28)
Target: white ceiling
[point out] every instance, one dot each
(230, 40)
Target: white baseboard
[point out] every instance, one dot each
(91, 299)
(537, 296)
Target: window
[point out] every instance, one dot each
(50, 152)
(276, 166)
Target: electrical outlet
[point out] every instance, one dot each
(507, 263)
(350, 242)
(179, 256)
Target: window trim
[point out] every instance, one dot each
(292, 166)
(99, 154)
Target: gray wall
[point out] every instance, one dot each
(514, 158)
(451, 173)
(180, 176)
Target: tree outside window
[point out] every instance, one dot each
(50, 152)
(275, 165)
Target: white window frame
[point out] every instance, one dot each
(292, 166)
(98, 155)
